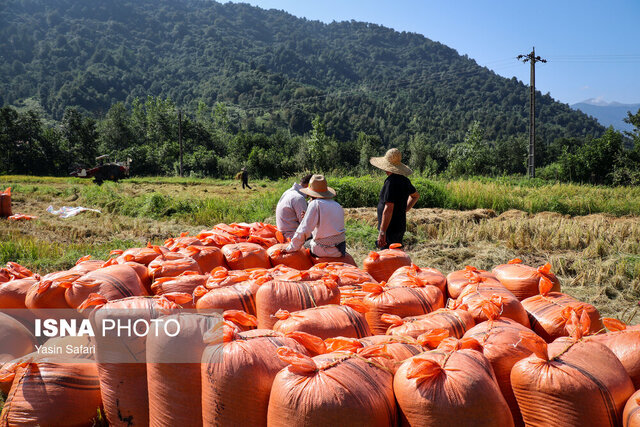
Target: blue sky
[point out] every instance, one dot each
(593, 46)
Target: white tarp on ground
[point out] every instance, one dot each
(68, 211)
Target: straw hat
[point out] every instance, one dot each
(391, 162)
(318, 188)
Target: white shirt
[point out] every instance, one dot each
(290, 210)
(324, 221)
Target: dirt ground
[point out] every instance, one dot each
(596, 257)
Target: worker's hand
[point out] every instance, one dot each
(382, 240)
(289, 248)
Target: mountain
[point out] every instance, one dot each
(271, 69)
(608, 113)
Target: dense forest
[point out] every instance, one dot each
(264, 89)
(273, 70)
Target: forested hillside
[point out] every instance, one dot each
(272, 70)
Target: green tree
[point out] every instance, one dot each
(473, 155)
(418, 152)
(316, 143)
(633, 119)
(369, 147)
(595, 161)
(115, 133)
(81, 137)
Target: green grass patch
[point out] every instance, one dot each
(361, 234)
(215, 210)
(41, 255)
(184, 206)
(499, 194)
(201, 201)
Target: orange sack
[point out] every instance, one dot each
(237, 377)
(293, 296)
(502, 346)
(185, 282)
(239, 296)
(48, 292)
(142, 256)
(550, 311)
(625, 344)
(13, 296)
(5, 203)
(522, 280)
(173, 371)
(631, 414)
(475, 297)
(112, 282)
(334, 389)
(413, 275)
(382, 264)
(222, 276)
(458, 280)
(207, 257)
(348, 275)
(51, 393)
(86, 265)
(182, 242)
(326, 321)
(570, 382)
(397, 348)
(401, 301)
(141, 271)
(123, 381)
(452, 385)
(172, 264)
(240, 256)
(292, 275)
(457, 322)
(14, 292)
(300, 260)
(346, 259)
(15, 341)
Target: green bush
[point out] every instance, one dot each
(363, 191)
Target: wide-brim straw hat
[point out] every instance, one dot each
(391, 162)
(318, 188)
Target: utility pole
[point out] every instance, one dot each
(532, 58)
(180, 138)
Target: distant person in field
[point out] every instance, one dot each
(244, 176)
(323, 221)
(397, 196)
(291, 207)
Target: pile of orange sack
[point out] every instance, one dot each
(320, 342)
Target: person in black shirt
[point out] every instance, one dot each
(397, 196)
(245, 178)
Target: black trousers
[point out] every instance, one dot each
(245, 183)
(394, 237)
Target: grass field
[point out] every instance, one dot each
(596, 255)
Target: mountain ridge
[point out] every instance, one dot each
(274, 70)
(608, 113)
